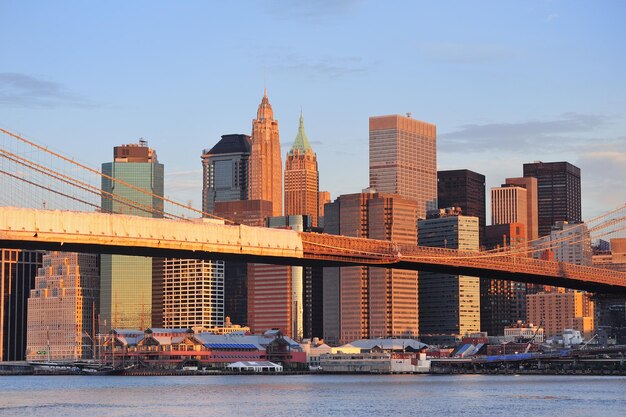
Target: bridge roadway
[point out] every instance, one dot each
(23, 228)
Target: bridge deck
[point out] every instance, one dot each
(108, 233)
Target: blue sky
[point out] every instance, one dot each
(506, 82)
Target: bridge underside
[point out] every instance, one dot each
(483, 273)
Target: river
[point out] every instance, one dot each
(314, 395)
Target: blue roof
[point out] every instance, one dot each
(230, 346)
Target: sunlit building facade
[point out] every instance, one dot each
(302, 178)
(403, 159)
(62, 308)
(128, 298)
(449, 305)
(265, 172)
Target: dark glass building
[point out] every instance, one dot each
(225, 171)
(558, 193)
(18, 269)
(465, 189)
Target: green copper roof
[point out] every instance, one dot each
(301, 143)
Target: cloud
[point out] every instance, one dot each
(325, 67)
(26, 91)
(564, 132)
(464, 53)
(312, 11)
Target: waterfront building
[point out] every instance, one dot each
(558, 193)
(449, 305)
(464, 189)
(532, 216)
(559, 310)
(522, 332)
(265, 171)
(193, 293)
(62, 308)
(361, 302)
(225, 171)
(403, 159)
(131, 287)
(302, 178)
(227, 328)
(18, 269)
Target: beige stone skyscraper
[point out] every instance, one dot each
(532, 222)
(509, 205)
(265, 179)
(403, 159)
(302, 178)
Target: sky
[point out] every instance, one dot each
(506, 82)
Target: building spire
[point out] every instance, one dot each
(265, 108)
(301, 143)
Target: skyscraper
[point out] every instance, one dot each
(225, 171)
(18, 269)
(464, 189)
(127, 299)
(302, 178)
(403, 159)
(558, 193)
(532, 219)
(63, 306)
(265, 175)
(361, 302)
(449, 305)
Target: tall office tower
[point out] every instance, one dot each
(557, 311)
(265, 172)
(63, 306)
(18, 269)
(127, 299)
(403, 159)
(532, 219)
(323, 198)
(302, 178)
(558, 193)
(193, 293)
(568, 242)
(449, 305)
(465, 189)
(276, 292)
(361, 302)
(225, 171)
(502, 302)
(509, 205)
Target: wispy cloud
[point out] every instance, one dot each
(464, 53)
(325, 67)
(312, 11)
(562, 132)
(23, 90)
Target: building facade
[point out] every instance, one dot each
(403, 159)
(18, 269)
(225, 171)
(63, 306)
(265, 171)
(132, 184)
(193, 293)
(509, 205)
(449, 305)
(558, 193)
(568, 242)
(559, 310)
(361, 302)
(302, 178)
(532, 216)
(464, 189)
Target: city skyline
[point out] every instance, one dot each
(500, 97)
